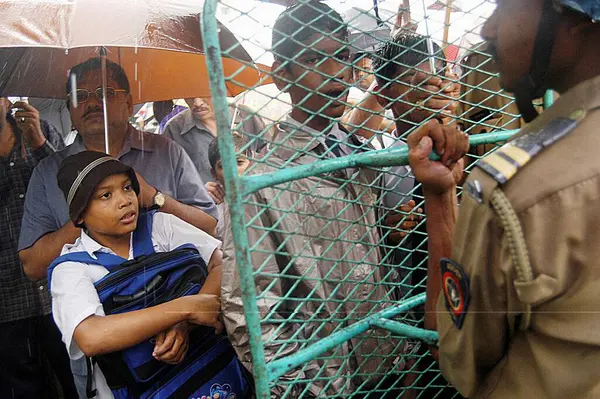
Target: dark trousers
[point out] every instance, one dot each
(33, 360)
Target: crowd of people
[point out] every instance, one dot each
(507, 278)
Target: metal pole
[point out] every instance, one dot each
(279, 367)
(104, 108)
(430, 48)
(212, 50)
(380, 158)
(447, 22)
(548, 99)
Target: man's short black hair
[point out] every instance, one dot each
(213, 149)
(113, 70)
(401, 52)
(301, 21)
(359, 56)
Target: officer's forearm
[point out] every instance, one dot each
(442, 212)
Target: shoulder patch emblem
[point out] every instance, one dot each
(504, 163)
(455, 284)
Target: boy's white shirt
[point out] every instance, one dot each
(74, 297)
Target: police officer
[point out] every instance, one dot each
(517, 273)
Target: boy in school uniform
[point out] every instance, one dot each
(320, 227)
(101, 193)
(216, 189)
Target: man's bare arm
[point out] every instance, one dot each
(442, 212)
(439, 179)
(190, 214)
(366, 117)
(40, 255)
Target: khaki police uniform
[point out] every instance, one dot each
(519, 312)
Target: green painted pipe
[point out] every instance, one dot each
(379, 158)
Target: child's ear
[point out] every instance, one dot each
(280, 75)
(380, 95)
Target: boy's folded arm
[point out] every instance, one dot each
(97, 335)
(212, 285)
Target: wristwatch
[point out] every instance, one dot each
(158, 201)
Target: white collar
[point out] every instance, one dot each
(91, 246)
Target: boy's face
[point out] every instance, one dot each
(362, 74)
(397, 91)
(113, 208)
(320, 76)
(242, 164)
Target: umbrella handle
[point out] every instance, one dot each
(103, 55)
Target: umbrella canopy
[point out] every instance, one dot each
(367, 32)
(159, 45)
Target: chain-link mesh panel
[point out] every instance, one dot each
(324, 232)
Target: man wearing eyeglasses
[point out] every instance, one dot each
(168, 179)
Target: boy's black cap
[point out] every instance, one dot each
(79, 174)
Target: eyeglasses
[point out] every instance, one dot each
(83, 95)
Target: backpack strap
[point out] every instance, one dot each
(82, 257)
(109, 261)
(142, 245)
(142, 236)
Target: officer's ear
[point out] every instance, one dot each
(578, 25)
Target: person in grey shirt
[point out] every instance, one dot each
(195, 128)
(401, 64)
(159, 162)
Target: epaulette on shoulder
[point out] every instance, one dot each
(505, 162)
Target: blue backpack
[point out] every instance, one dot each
(210, 366)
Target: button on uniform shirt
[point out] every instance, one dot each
(556, 198)
(195, 138)
(321, 226)
(20, 298)
(74, 297)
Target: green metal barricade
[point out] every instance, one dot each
(332, 284)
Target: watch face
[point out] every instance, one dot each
(159, 199)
